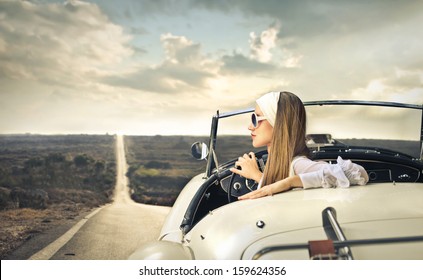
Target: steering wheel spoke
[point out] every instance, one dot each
(239, 186)
(235, 185)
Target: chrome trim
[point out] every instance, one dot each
(334, 231)
(340, 244)
(364, 103)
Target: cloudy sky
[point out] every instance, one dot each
(166, 66)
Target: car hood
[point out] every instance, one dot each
(236, 230)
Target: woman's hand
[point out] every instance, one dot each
(249, 168)
(277, 187)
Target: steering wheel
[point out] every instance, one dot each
(239, 185)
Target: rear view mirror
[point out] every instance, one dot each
(199, 150)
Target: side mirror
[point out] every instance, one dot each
(199, 150)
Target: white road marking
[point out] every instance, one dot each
(52, 248)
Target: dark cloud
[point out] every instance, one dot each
(166, 78)
(238, 64)
(313, 18)
(145, 8)
(185, 68)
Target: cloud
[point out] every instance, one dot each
(184, 68)
(324, 39)
(339, 47)
(239, 64)
(58, 44)
(264, 57)
(406, 87)
(262, 45)
(136, 59)
(314, 18)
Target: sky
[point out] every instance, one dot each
(165, 67)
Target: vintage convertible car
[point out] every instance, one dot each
(381, 220)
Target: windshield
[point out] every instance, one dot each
(396, 129)
(391, 128)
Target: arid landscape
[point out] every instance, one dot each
(160, 166)
(46, 181)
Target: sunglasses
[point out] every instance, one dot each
(256, 119)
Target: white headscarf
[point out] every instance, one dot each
(268, 104)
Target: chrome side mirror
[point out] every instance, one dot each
(199, 150)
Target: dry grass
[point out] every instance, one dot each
(19, 225)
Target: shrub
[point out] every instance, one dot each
(81, 160)
(34, 162)
(158, 165)
(55, 157)
(36, 199)
(4, 198)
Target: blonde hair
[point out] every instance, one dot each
(288, 139)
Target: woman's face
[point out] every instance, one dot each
(262, 134)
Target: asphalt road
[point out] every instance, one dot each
(112, 232)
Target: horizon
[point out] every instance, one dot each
(177, 135)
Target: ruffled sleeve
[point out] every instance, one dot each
(355, 173)
(342, 174)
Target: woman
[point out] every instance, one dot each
(279, 122)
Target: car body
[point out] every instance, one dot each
(381, 220)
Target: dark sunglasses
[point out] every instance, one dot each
(256, 119)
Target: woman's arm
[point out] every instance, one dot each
(314, 174)
(277, 187)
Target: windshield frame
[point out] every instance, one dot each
(212, 158)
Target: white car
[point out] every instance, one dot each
(381, 220)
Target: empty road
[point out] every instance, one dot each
(112, 232)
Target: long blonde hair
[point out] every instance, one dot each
(288, 139)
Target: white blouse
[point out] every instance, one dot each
(315, 174)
